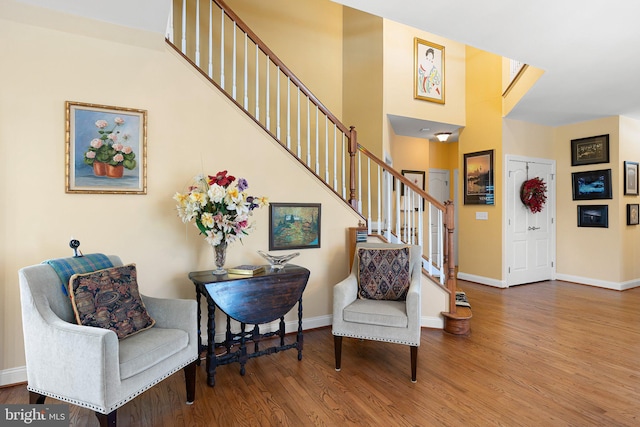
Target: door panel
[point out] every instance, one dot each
(530, 244)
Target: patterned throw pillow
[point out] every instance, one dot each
(110, 299)
(383, 274)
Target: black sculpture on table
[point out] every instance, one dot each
(75, 244)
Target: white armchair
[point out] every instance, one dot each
(95, 369)
(379, 320)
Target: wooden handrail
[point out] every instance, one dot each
(274, 58)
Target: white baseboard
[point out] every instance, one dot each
(617, 286)
(432, 322)
(13, 376)
(482, 280)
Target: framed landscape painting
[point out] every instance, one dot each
(294, 226)
(478, 178)
(592, 185)
(105, 149)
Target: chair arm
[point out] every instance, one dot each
(344, 293)
(83, 355)
(414, 303)
(173, 313)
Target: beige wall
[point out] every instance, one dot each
(583, 252)
(192, 128)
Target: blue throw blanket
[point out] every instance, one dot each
(67, 267)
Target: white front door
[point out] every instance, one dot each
(530, 237)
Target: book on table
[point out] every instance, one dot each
(247, 269)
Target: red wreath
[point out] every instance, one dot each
(533, 194)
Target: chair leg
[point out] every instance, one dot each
(190, 380)
(414, 363)
(337, 343)
(36, 398)
(107, 420)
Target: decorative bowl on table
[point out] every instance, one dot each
(278, 262)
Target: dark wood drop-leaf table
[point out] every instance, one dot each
(250, 300)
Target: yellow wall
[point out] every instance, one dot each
(363, 67)
(306, 36)
(527, 139)
(480, 241)
(399, 75)
(192, 128)
(520, 86)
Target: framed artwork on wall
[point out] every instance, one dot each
(428, 71)
(478, 178)
(592, 185)
(418, 178)
(106, 149)
(593, 216)
(294, 226)
(631, 178)
(589, 151)
(633, 214)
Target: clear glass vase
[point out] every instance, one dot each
(220, 253)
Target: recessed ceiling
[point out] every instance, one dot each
(407, 126)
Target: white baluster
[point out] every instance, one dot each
(317, 143)
(298, 125)
(246, 72)
(268, 96)
(335, 158)
(198, 33)
(326, 149)
(278, 104)
(308, 133)
(344, 162)
(288, 113)
(184, 27)
(257, 83)
(369, 190)
(210, 70)
(234, 62)
(222, 48)
(170, 28)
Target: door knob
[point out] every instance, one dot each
(530, 228)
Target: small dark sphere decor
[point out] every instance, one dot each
(533, 194)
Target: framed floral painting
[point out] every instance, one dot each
(105, 149)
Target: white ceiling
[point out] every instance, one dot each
(589, 50)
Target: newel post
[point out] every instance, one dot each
(353, 147)
(449, 258)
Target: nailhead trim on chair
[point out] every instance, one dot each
(364, 337)
(122, 401)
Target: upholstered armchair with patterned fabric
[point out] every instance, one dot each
(380, 299)
(96, 367)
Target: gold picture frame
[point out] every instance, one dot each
(106, 149)
(428, 71)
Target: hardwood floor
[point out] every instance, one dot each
(544, 354)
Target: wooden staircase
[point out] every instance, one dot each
(234, 59)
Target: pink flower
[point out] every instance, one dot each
(91, 154)
(127, 150)
(101, 124)
(118, 121)
(118, 147)
(118, 158)
(96, 143)
(113, 137)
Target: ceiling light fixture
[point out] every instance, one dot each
(443, 136)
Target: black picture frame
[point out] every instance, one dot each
(592, 185)
(478, 178)
(630, 178)
(633, 214)
(593, 216)
(294, 226)
(590, 150)
(419, 179)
